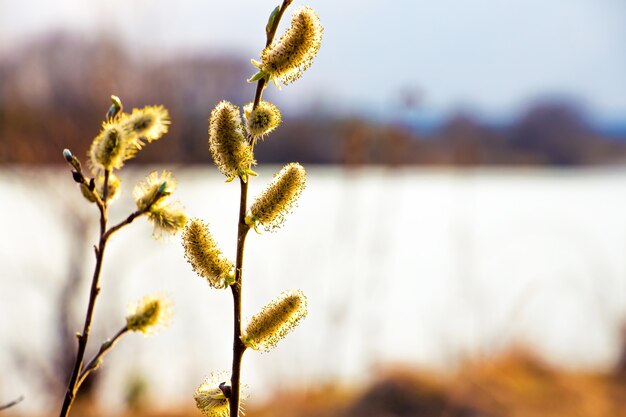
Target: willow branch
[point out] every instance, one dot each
(271, 33)
(126, 221)
(78, 375)
(83, 337)
(238, 346)
(95, 362)
(12, 403)
(242, 231)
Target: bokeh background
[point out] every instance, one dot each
(461, 239)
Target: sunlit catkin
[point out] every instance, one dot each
(150, 122)
(153, 197)
(113, 145)
(262, 120)
(275, 321)
(151, 191)
(271, 207)
(149, 314)
(167, 219)
(227, 142)
(205, 257)
(210, 399)
(286, 59)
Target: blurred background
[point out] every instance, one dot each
(461, 239)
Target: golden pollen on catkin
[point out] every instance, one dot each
(111, 147)
(262, 120)
(149, 314)
(286, 59)
(271, 207)
(275, 321)
(205, 257)
(210, 399)
(227, 141)
(150, 122)
(167, 219)
(153, 197)
(154, 189)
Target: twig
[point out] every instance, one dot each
(12, 403)
(95, 362)
(242, 231)
(78, 373)
(83, 337)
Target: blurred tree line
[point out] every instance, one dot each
(54, 91)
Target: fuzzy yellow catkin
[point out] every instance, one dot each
(286, 59)
(263, 120)
(153, 196)
(266, 328)
(167, 219)
(150, 122)
(227, 142)
(205, 257)
(122, 136)
(210, 399)
(149, 314)
(113, 145)
(271, 207)
(156, 187)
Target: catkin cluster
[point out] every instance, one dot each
(231, 144)
(227, 142)
(152, 196)
(125, 134)
(121, 137)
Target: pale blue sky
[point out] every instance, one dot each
(491, 56)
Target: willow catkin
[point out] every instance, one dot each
(262, 120)
(286, 59)
(266, 328)
(205, 257)
(227, 142)
(278, 199)
(149, 314)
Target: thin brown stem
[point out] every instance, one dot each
(242, 231)
(125, 222)
(95, 362)
(83, 337)
(261, 84)
(238, 346)
(272, 32)
(12, 403)
(78, 374)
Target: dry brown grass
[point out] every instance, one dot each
(516, 384)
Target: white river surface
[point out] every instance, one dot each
(417, 266)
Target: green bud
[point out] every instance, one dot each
(272, 19)
(115, 109)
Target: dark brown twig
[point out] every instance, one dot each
(95, 362)
(12, 403)
(83, 337)
(78, 372)
(242, 231)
